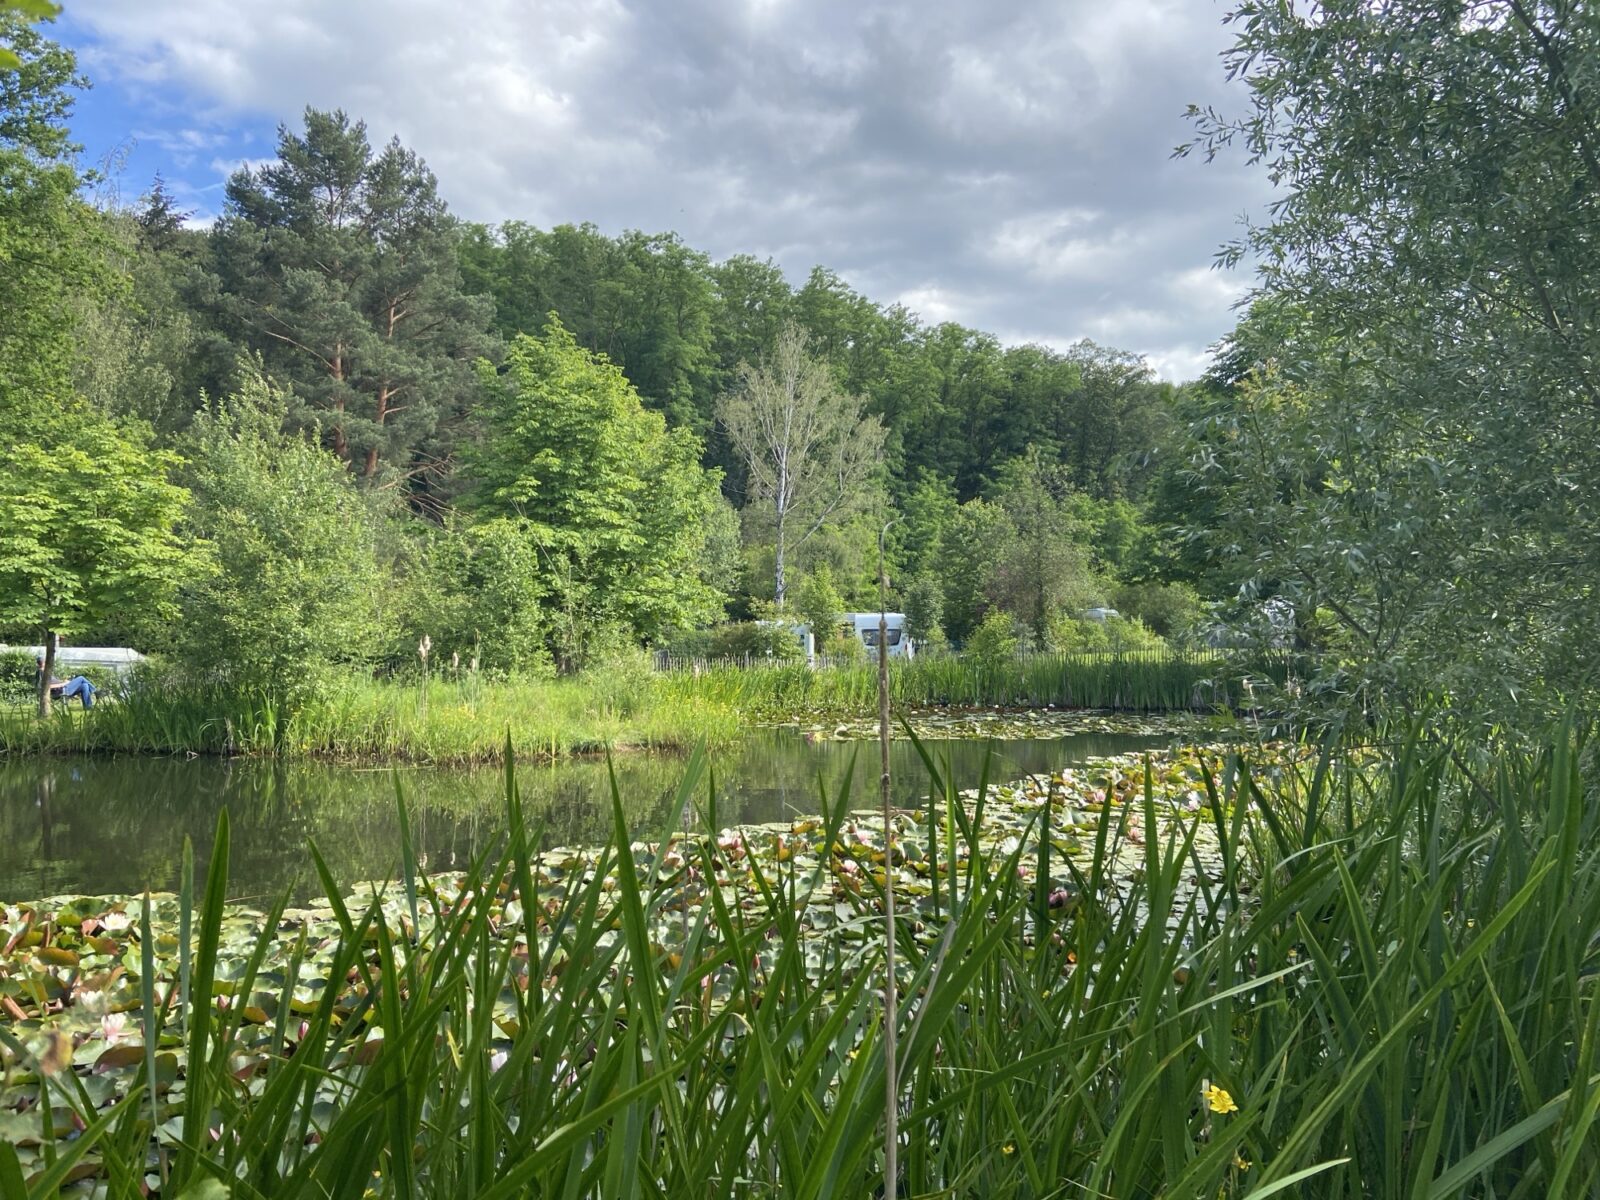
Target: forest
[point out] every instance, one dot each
(340, 420)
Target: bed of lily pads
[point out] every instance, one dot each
(1017, 724)
(71, 966)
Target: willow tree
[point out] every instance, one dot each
(1426, 339)
(810, 452)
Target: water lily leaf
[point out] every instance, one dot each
(115, 1058)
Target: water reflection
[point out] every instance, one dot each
(116, 825)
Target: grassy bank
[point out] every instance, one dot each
(1137, 682)
(464, 719)
(445, 721)
(1368, 976)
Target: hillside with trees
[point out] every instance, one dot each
(539, 443)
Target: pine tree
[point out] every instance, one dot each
(338, 265)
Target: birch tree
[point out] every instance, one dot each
(810, 451)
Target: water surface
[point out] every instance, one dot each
(100, 826)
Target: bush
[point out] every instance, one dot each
(16, 675)
(995, 639)
(754, 639)
(1172, 610)
(1114, 635)
(296, 586)
(479, 597)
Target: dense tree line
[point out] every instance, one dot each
(380, 425)
(526, 445)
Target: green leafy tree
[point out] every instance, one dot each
(645, 301)
(143, 350)
(485, 600)
(51, 253)
(337, 264)
(994, 641)
(1439, 174)
(819, 605)
(26, 10)
(966, 559)
(297, 588)
(811, 455)
(925, 509)
(1039, 566)
(616, 502)
(89, 532)
(1172, 610)
(924, 605)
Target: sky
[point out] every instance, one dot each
(1007, 165)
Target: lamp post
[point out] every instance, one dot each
(891, 1107)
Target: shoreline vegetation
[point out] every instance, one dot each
(1346, 940)
(464, 719)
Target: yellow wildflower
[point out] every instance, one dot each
(1241, 1163)
(1218, 1100)
(1009, 1148)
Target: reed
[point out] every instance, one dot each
(1382, 983)
(440, 720)
(1148, 681)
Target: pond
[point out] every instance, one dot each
(102, 826)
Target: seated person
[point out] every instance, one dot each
(76, 686)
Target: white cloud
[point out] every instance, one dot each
(1004, 166)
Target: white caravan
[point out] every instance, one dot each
(865, 626)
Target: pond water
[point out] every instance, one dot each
(101, 826)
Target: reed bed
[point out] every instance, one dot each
(462, 719)
(1150, 681)
(1383, 984)
(445, 721)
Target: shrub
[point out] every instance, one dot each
(1172, 610)
(753, 639)
(995, 639)
(1114, 635)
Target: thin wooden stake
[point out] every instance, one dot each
(891, 1104)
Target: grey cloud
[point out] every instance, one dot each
(1003, 165)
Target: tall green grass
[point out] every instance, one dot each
(1152, 681)
(1390, 966)
(462, 720)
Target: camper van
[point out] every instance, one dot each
(865, 626)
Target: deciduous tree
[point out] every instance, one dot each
(296, 587)
(615, 501)
(1438, 374)
(89, 532)
(810, 452)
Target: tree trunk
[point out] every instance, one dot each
(777, 577)
(341, 447)
(382, 414)
(48, 672)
